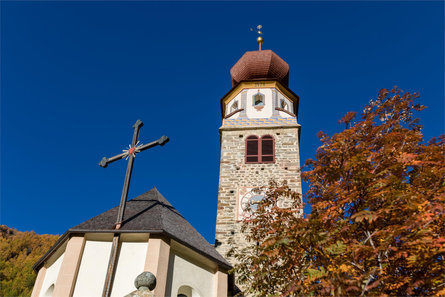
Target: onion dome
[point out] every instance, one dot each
(260, 65)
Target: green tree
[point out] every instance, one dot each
(377, 221)
(19, 251)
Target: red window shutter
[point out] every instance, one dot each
(267, 149)
(252, 149)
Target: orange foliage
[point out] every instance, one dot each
(377, 221)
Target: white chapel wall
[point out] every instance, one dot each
(130, 265)
(187, 276)
(51, 276)
(93, 268)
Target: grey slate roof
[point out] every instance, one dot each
(150, 213)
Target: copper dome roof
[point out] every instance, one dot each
(258, 65)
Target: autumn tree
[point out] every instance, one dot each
(19, 251)
(377, 222)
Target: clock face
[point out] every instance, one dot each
(248, 198)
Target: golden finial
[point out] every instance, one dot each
(259, 39)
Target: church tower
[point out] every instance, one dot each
(259, 140)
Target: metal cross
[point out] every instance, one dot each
(129, 154)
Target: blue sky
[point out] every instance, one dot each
(75, 76)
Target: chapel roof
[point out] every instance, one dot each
(149, 213)
(260, 65)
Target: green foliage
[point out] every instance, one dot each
(19, 251)
(377, 192)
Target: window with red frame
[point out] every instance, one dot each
(260, 150)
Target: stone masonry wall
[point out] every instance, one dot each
(235, 174)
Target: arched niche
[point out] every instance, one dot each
(187, 291)
(49, 292)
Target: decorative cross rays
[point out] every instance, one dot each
(132, 151)
(129, 154)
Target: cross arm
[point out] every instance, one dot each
(105, 161)
(161, 141)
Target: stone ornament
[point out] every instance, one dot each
(144, 283)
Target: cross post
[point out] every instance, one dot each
(129, 154)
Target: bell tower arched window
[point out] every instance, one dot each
(252, 150)
(267, 149)
(260, 150)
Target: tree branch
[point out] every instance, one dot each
(378, 255)
(365, 288)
